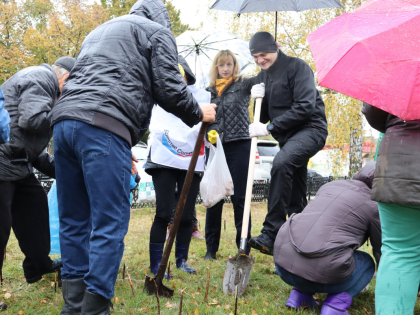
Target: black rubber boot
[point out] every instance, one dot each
(210, 256)
(181, 256)
(3, 306)
(155, 253)
(95, 304)
(73, 293)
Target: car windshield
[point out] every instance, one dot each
(267, 150)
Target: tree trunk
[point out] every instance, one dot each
(356, 145)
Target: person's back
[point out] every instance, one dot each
(123, 68)
(316, 250)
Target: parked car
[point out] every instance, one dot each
(266, 151)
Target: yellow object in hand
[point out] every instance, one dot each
(212, 136)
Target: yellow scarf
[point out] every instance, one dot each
(222, 83)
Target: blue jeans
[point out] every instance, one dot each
(93, 170)
(360, 278)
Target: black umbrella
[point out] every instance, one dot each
(247, 6)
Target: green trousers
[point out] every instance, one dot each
(398, 276)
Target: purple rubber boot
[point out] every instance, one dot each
(298, 299)
(336, 304)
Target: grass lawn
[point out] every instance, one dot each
(266, 293)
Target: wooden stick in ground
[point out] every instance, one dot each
(55, 282)
(224, 224)
(4, 257)
(169, 271)
(124, 272)
(180, 304)
(130, 282)
(1, 276)
(236, 300)
(207, 285)
(157, 297)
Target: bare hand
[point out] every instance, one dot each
(209, 112)
(133, 165)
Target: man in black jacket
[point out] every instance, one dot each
(29, 97)
(296, 113)
(124, 67)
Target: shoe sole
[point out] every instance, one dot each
(262, 248)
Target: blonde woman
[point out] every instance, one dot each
(231, 92)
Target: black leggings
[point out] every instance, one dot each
(165, 181)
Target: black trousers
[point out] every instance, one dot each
(195, 221)
(237, 157)
(24, 207)
(165, 181)
(288, 186)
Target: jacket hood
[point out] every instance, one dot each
(366, 174)
(154, 10)
(188, 73)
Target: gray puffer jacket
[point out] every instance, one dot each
(232, 118)
(29, 97)
(124, 67)
(397, 175)
(318, 243)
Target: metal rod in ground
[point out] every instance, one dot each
(180, 304)
(124, 272)
(157, 297)
(207, 285)
(236, 299)
(55, 282)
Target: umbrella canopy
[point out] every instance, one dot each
(247, 6)
(372, 54)
(200, 48)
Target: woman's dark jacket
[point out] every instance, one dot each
(318, 243)
(124, 67)
(397, 175)
(291, 102)
(232, 118)
(29, 97)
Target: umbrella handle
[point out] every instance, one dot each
(250, 181)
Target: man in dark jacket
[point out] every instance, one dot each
(296, 113)
(316, 250)
(124, 67)
(29, 97)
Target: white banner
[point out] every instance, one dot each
(173, 141)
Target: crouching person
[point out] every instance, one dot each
(316, 251)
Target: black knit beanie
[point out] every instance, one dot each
(262, 42)
(65, 62)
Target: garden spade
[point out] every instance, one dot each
(239, 267)
(155, 285)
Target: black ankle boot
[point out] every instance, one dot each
(73, 293)
(210, 255)
(95, 304)
(181, 256)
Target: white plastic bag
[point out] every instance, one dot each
(217, 182)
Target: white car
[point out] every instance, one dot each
(266, 151)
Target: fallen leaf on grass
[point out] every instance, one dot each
(7, 295)
(117, 299)
(367, 312)
(20, 312)
(254, 312)
(196, 311)
(43, 301)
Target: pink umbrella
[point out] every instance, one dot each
(373, 54)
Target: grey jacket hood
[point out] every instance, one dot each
(153, 10)
(366, 174)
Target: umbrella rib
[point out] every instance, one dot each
(191, 48)
(219, 41)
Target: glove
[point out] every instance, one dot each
(258, 90)
(212, 136)
(258, 129)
